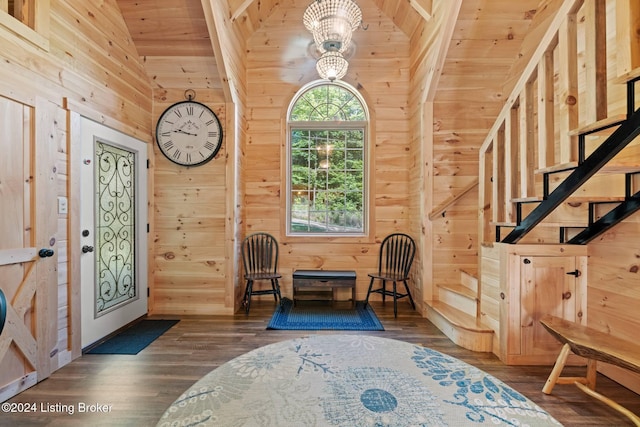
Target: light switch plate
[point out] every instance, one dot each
(63, 206)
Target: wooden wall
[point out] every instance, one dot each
(614, 287)
(189, 217)
(380, 70)
(470, 93)
(430, 45)
(196, 214)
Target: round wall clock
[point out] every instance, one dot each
(189, 133)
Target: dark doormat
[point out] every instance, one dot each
(135, 338)
(315, 317)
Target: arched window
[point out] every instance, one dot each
(327, 161)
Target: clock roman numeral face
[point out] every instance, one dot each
(189, 133)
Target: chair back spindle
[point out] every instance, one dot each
(261, 254)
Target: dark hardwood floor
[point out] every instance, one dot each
(139, 388)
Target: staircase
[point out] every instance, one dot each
(451, 314)
(599, 161)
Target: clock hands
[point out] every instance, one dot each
(186, 133)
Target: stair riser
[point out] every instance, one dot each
(474, 341)
(607, 185)
(566, 213)
(460, 302)
(469, 281)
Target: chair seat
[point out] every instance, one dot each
(389, 276)
(262, 276)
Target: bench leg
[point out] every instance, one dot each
(615, 405)
(557, 369)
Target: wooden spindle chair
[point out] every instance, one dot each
(394, 263)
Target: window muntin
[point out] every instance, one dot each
(327, 162)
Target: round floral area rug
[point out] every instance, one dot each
(350, 381)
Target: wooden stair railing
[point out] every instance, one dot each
(442, 207)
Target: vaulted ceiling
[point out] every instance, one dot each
(173, 40)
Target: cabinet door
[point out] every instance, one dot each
(545, 288)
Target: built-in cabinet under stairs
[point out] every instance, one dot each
(455, 313)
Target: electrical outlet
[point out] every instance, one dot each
(63, 206)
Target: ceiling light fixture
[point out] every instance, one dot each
(332, 22)
(332, 65)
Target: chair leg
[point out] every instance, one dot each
(277, 290)
(247, 294)
(406, 286)
(395, 300)
(366, 301)
(273, 287)
(384, 289)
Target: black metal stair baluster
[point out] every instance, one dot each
(545, 185)
(631, 96)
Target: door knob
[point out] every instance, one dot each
(45, 253)
(87, 248)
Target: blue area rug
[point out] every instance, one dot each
(313, 317)
(354, 380)
(135, 338)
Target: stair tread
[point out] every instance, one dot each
(460, 290)
(607, 169)
(628, 76)
(608, 121)
(458, 318)
(580, 199)
(545, 224)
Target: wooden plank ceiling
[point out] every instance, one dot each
(172, 38)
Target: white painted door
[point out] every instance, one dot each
(114, 230)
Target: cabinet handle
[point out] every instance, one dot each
(502, 295)
(574, 273)
(566, 295)
(527, 261)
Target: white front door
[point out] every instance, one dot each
(114, 230)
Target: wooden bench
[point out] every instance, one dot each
(323, 280)
(594, 346)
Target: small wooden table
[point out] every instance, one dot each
(322, 281)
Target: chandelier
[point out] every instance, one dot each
(332, 23)
(332, 65)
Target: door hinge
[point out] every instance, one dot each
(147, 227)
(147, 163)
(576, 273)
(148, 293)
